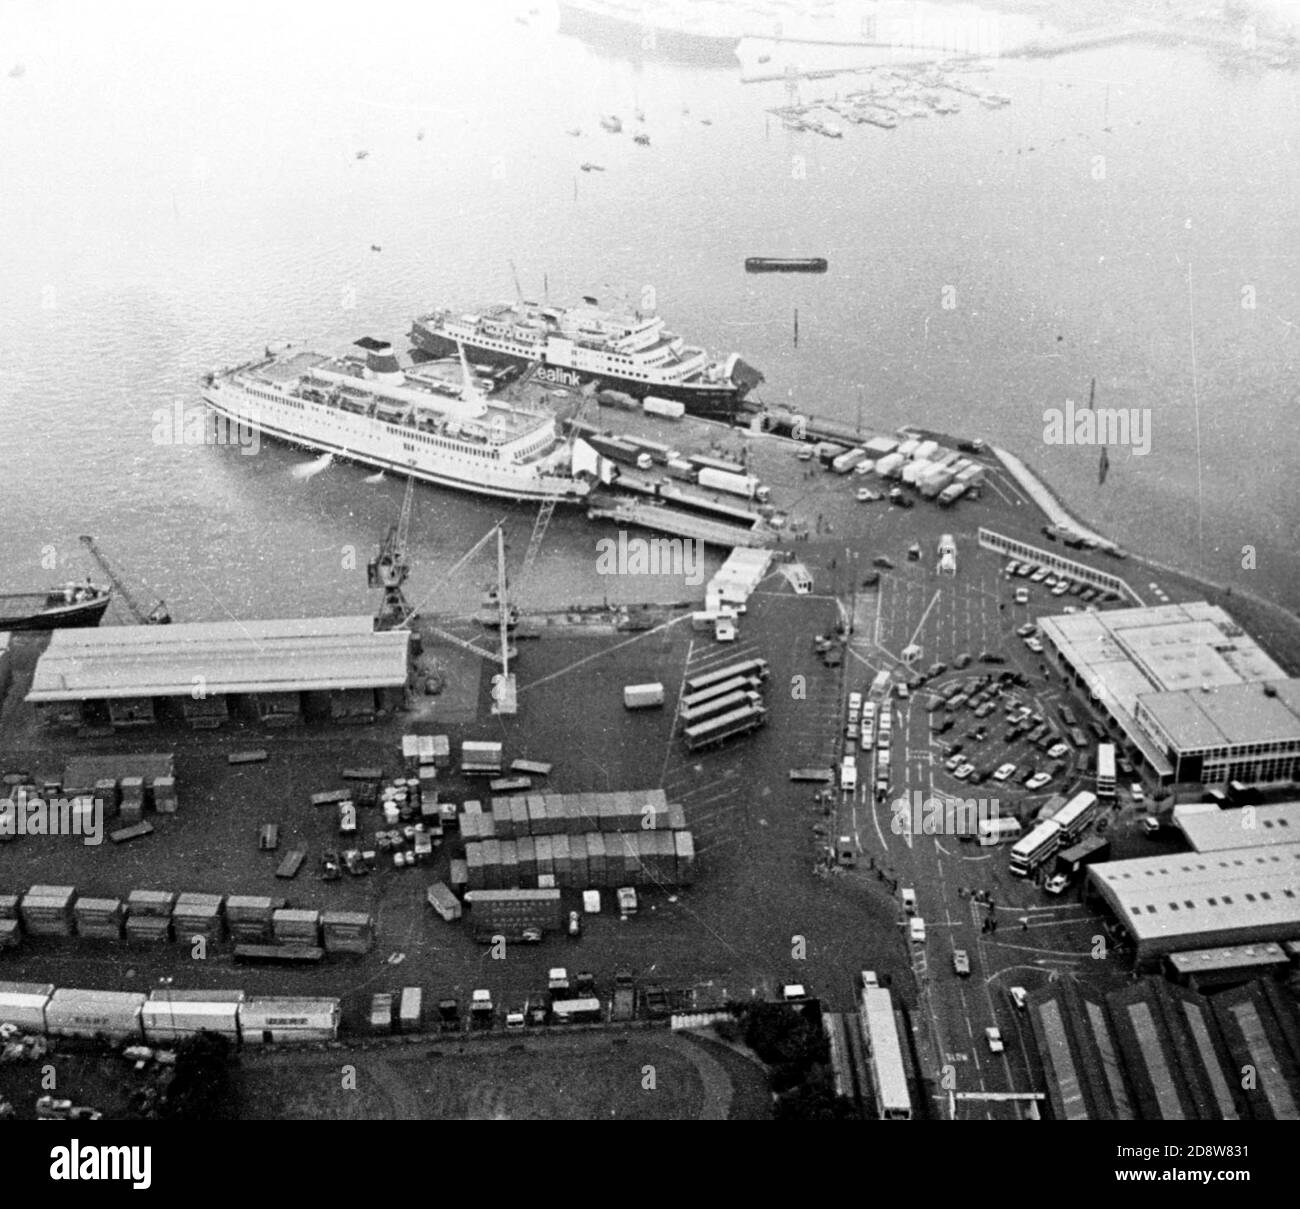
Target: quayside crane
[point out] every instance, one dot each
(158, 615)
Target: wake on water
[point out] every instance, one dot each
(309, 469)
(378, 477)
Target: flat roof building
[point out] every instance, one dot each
(1210, 829)
(1191, 690)
(1196, 900)
(119, 674)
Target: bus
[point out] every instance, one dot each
(747, 667)
(884, 1055)
(1073, 818)
(692, 714)
(1106, 770)
(720, 689)
(715, 730)
(1041, 844)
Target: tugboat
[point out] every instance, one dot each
(55, 609)
(612, 123)
(643, 139)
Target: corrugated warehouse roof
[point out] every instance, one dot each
(1083, 1075)
(1255, 1034)
(290, 655)
(1213, 830)
(1197, 900)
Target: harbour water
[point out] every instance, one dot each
(1130, 217)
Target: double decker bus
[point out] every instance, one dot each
(724, 726)
(1106, 771)
(1073, 818)
(1041, 844)
(691, 714)
(746, 667)
(884, 1055)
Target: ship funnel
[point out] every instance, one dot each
(381, 361)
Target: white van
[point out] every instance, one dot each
(916, 929)
(848, 775)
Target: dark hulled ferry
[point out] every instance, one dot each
(54, 609)
(614, 350)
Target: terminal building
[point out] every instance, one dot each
(204, 673)
(1193, 693)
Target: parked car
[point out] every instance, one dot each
(885, 564)
(1038, 780)
(992, 657)
(1061, 589)
(1022, 596)
(916, 929)
(962, 771)
(994, 1038)
(575, 924)
(1019, 996)
(1056, 884)
(962, 660)
(867, 496)
(1136, 790)
(1034, 645)
(1026, 630)
(1038, 576)
(1004, 771)
(961, 963)
(1151, 825)
(954, 763)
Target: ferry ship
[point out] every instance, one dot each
(629, 352)
(370, 409)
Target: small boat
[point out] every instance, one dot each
(785, 264)
(590, 167)
(54, 609)
(374, 247)
(706, 121)
(764, 58)
(574, 131)
(362, 154)
(643, 139)
(611, 123)
(419, 135)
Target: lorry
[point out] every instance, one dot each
(846, 461)
(623, 1006)
(890, 466)
(951, 494)
(670, 409)
(510, 913)
(934, 483)
(848, 774)
(911, 472)
(1087, 851)
(745, 485)
(626, 900)
(643, 696)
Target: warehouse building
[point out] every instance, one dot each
(1201, 900)
(205, 672)
(1193, 693)
(1158, 1052)
(1210, 829)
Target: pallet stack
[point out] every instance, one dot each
(47, 911)
(198, 915)
(99, 918)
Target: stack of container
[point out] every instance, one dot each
(47, 911)
(197, 915)
(149, 915)
(611, 858)
(347, 931)
(164, 795)
(132, 807)
(248, 917)
(295, 927)
(99, 918)
(381, 1013)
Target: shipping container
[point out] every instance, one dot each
(442, 900)
(846, 461)
(479, 758)
(643, 696)
(890, 466)
(668, 408)
(951, 494)
(410, 1013)
(912, 470)
(925, 451)
(170, 1016)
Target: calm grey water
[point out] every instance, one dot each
(178, 190)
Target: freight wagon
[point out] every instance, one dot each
(170, 1016)
(717, 730)
(111, 1014)
(279, 1019)
(23, 1004)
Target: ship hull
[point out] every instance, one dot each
(369, 448)
(726, 403)
(29, 612)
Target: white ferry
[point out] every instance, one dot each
(368, 409)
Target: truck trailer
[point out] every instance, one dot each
(510, 913)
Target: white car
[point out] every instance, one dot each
(869, 980)
(1151, 825)
(916, 929)
(1022, 596)
(1136, 790)
(963, 771)
(1019, 996)
(1012, 567)
(1034, 645)
(867, 496)
(1038, 780)
(1004, 772)
(1038, 576)
(994, 1039)
(855, 703)
(1056, 884)
(954, 762)
(1057, 750)
(1061, 589)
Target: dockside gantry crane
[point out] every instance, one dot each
(158, 615)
